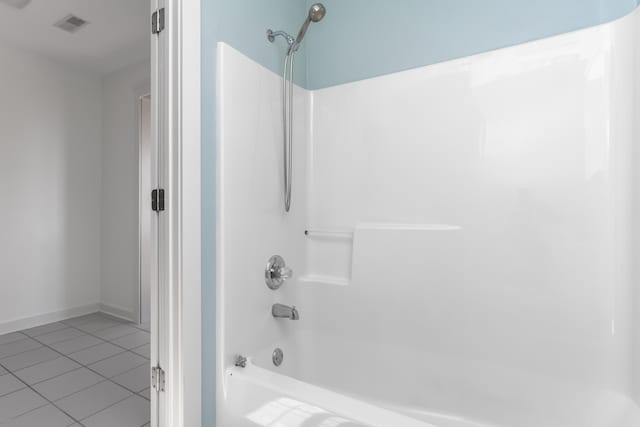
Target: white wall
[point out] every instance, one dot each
(50, 150)
(69, 189)
(121, 90)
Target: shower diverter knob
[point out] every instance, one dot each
(276, 272)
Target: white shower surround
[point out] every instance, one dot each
(490, 277)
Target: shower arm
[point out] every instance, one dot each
(291, 42)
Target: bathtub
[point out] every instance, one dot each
(259, 397)
(262, 396)
(464, 241)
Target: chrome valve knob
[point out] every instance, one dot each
(276, 272)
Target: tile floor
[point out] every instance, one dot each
(90, 371)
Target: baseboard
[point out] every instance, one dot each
(42, 319)
(118, 312)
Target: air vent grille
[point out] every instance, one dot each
(70, 23)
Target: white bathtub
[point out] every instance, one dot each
(256, 396)
(485, 270)
(270, 396)
(259, 397)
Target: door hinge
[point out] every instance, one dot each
(157, 200)
(157, 21)
(157, 378)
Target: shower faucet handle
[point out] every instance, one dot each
(284, 273)
(276, 272)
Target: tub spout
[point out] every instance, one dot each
(281, 311)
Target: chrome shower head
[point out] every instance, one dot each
(316, 13)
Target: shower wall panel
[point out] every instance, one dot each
(490, 200)
(252, 225)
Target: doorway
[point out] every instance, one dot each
(75, 341)
(76, 288)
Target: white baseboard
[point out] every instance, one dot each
(42, 319)
(118, 312)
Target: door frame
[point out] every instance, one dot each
(143, 202)
(179, 279)
(186, 257)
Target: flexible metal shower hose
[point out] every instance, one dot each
(287, 120)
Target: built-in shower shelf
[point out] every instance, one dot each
(342, 255)
(329, 251)
(324, 280)
(329, 234)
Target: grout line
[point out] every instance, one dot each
(137, 326)
(105, 379)
(77, 391)
(117, 338)
(87, 367)
(143, 396)
(79, 327)
(56, 376)
(35, 364)
(14, 341)
(11, 392)
(95, 361)
(86, 333)
(22, 352)
(114, 404)
(43, 345)
(132, 391)
(94, 371)
(124, 387)
(56, 342)
(36, 392)
(64, 325)
(109, 341)
(87, 348)
(97, 373)
(96, 315)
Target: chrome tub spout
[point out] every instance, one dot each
(281, 311)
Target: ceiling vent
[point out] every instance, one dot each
(18, 4)
(70, 23)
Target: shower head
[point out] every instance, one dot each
(316, 13)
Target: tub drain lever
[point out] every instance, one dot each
(241, 361)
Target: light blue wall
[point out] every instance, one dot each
(244, 23)
(356, 40)
(359, 39)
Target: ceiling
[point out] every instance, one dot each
(117, 35)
